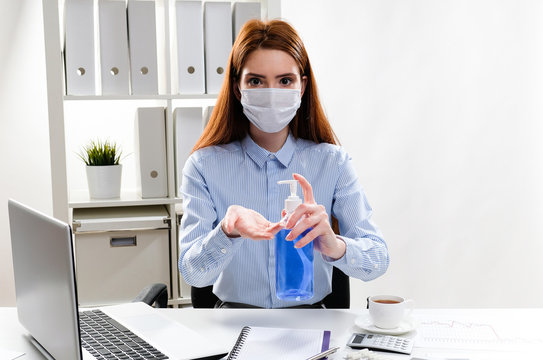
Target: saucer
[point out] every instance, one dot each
(364, 322)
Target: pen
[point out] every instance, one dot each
(323, 354)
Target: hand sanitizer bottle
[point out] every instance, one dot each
(293, 267)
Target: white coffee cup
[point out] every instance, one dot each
(388, 311)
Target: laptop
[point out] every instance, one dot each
(46, 295)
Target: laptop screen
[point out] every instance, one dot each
(45, 280)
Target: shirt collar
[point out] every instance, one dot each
(261, 155)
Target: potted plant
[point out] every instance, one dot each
(103, 169)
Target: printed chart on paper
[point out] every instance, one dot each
(488, 333)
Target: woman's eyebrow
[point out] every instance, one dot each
(286, 75)
(277, 76)
(254, 75)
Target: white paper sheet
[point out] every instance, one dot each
(10, 354)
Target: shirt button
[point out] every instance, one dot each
(353, 261)
(223, 251)
(376, 266)
(272, 157)
(202, 269)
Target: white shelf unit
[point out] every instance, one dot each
(67, 121)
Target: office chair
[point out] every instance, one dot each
(203, 298)
(155, 295)
(339, 298)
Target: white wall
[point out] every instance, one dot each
(24, 135)
(440, 105)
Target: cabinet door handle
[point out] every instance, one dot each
(123, 241)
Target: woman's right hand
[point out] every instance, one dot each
(239, 221)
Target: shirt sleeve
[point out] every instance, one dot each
(204, 249)
(366, 255)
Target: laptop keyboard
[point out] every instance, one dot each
(107, 339)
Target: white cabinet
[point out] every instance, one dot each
(74, 120)
(119, 251)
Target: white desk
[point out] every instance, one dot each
(441, 334)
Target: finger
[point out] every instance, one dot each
(262, 231)
(274, 227)
(294, 217)
(260, 236)
(315, 219)
(299, 213)
(306, 188)
(307, 220)
(309, 237)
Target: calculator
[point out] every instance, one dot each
(381, 343)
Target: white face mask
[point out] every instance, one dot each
(270, 109)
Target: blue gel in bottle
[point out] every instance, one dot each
(293, 267)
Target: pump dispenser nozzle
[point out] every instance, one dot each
(293, 200)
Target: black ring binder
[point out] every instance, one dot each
(239, 343)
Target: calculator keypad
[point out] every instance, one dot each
(381, 342)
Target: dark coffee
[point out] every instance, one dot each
(387, 301)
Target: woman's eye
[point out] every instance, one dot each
(254, 81)
(286, 81)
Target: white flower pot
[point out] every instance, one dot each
(104, 181)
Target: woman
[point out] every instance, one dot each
(268, 125)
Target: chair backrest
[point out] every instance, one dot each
(155, 295)
(339, 298)
(203, 297)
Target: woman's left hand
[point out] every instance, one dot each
(310, 214)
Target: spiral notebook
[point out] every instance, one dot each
(279, 343)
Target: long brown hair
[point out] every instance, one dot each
(227, 122)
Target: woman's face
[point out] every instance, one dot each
(268, 68)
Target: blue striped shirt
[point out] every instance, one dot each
(243, 173)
